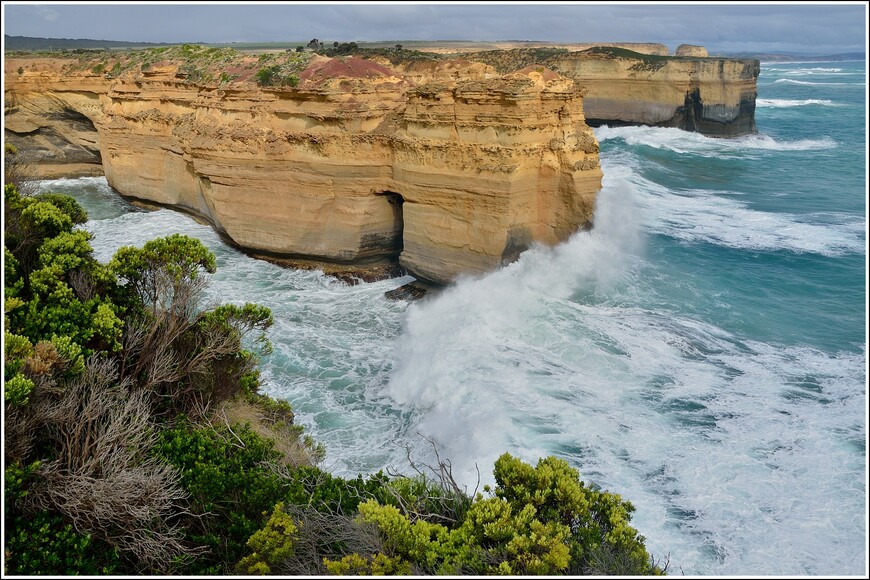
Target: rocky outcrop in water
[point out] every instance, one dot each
(438, 166)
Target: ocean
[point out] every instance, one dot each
(702, 351)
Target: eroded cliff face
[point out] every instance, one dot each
(691, 50)
(713, 96)
(358, 163)
(53, 123)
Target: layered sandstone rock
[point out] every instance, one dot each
(512, 156)
(53, 126)
(356, 164)
(714, 96)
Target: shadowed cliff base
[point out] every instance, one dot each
(352, 273)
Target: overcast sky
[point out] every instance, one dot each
(735, 27)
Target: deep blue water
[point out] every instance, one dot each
(702, 351)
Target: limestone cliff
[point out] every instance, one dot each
(713, 96)
(356, 163)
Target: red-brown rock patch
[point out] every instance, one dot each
(352, 67)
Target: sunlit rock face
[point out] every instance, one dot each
(451, 169)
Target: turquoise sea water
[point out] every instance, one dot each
(701, 351)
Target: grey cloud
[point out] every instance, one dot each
(807, 28)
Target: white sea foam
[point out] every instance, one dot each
(564, 352)
(824, 84)
(820, 71)
(776, 103)
(815, 69)
(104, 201)
(67, 182)
(707, 216)
(680, 141)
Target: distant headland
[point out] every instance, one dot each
(32, 43)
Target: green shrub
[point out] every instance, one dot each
(16, 349)
(266, 75)
(42, 543)
(272, 544)
(16, 391)
(598, 521)
(225, 472)
(274, 76)
(66, 204)
(539, 520)
(375, 565)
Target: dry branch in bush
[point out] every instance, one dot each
(326, 535)
(103, 479)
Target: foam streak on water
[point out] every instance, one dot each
(708, 216)
(794, 102)
(696, 144)
(820, 84)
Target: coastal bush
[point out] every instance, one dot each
(76, 332)
(538, 520)
(43, 544)
(274, 76)
(184, 356)
(597, 521)
(225, 472)
(234, 477)
(342, 49)
(54, 274)
(266, 75)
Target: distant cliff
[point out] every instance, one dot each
(354, 164)
(713, 96)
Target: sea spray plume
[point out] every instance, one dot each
(467, 330)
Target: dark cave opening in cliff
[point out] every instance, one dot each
(395, 243)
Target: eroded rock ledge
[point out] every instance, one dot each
(453, 173)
